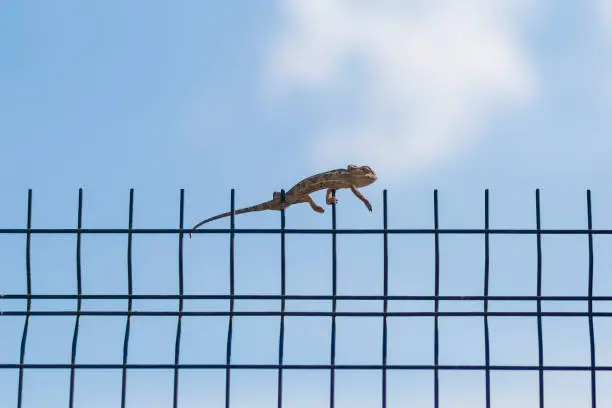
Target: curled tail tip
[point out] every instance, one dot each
(195, 227)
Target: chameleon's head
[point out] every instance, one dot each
(361, 175)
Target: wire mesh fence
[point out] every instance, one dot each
(280, 366)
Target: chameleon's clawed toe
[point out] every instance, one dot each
(319, 209)
(331, 201)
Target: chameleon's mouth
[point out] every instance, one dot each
(369, 178)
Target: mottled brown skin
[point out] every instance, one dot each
(352, 177)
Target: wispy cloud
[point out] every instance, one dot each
(604, 10)
(424, 76)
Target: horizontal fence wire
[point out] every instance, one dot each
(339, 231)
(454, 367)
(538, 301)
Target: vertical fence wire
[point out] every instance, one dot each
(486, 304)
(230, 323)
(590, 303)
(436, 301)
(539, 301)
(179, 323)
(128, 320)
(75, 335)
(332, 357)
(385, 300)
(26, 324)
(281, 335)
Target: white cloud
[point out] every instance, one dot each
(605, 12)
(429, 74)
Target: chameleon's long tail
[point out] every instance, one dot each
(268, 205)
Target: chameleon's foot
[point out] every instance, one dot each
(329, 197)
(319, 209)
(276, 195)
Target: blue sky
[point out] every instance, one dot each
(458, 96)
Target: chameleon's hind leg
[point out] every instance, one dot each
(329, 198)
(314, 205)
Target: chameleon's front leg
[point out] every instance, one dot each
(361, 197)
(329, 197)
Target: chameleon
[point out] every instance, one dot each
(352, 177)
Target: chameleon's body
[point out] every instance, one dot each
(352, 177)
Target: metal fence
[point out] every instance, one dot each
(281, 366)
